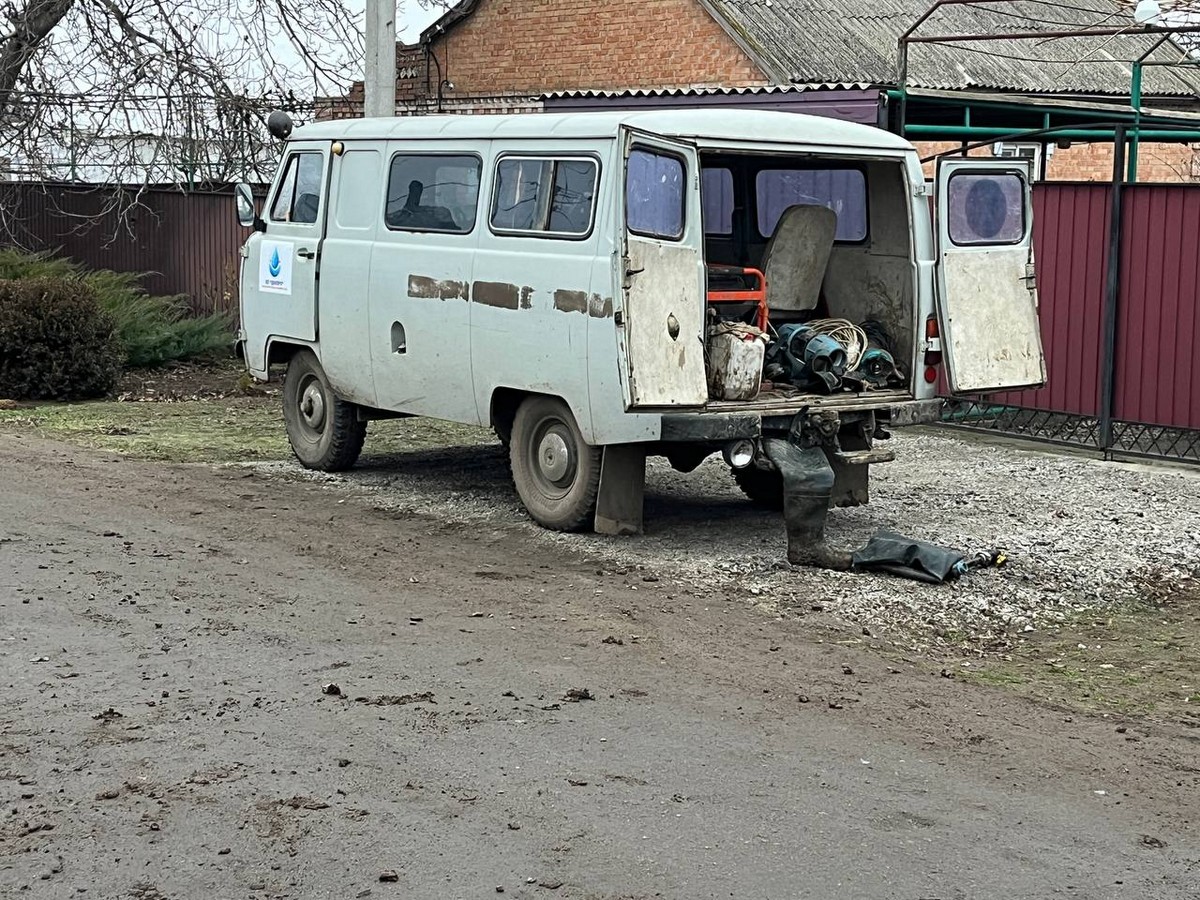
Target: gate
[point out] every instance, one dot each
(1123, 377)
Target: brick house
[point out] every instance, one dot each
(533, 55)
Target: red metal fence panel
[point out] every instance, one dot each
(187, 243)
(1158, 324)
(1070, 241)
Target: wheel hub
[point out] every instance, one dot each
(312, 407)
(554, 457)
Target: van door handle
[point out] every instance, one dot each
(306, 254)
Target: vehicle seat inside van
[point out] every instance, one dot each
(415, 215)
(797, 256)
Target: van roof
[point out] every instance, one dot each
(701, 125)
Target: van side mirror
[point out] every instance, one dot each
(247, 212)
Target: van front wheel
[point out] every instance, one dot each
(323, 429)
(557, 474)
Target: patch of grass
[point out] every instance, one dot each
(241, 429)
(1140, 658)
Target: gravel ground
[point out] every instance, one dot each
(1079, 533)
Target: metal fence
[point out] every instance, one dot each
(1123, 377)
(186, 242)
(1121, 346)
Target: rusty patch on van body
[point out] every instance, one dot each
(497, 294)
(526, 297)
(571, 301)
(424, 287)
(600, 307)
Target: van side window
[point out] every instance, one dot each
(842, 190)
(551, 197)
(433, 193)
(654, 194)
(299, 196)
(716, 199)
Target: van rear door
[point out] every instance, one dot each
(662, 269)
(987, 296)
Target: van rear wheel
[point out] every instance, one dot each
(556, 473)
(764, 487)
(323, 429)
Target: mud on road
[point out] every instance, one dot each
(224, 684)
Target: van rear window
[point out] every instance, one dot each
(986, 208)
(544, 196)
(654, 194)
(433, 193)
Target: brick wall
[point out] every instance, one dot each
(535, 46)
(1094, 162)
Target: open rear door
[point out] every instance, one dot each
(663, 269)
(987, 295)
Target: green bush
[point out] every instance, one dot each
(56, 343)
(153, 330)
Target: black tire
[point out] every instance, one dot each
(557, 474)
(764, 487)
(323, 429)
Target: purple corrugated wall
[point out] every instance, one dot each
(1158, 323)
(188, 243)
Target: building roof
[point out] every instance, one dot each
(804, 41)
(703, 125)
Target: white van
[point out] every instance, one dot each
(567, 279)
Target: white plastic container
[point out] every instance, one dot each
(735, 365)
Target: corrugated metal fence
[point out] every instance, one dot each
(189, 242)
(186, 242)
(1155, 372)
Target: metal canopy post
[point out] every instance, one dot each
(1112, 295)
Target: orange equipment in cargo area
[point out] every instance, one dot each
(757, 296)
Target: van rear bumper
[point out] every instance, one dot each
(717, 426)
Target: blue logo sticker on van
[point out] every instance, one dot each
(275, 265)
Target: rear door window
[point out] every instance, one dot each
(986, 208)
(842, 190)
(654, 194)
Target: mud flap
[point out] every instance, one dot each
(622, 490)
(808, 481)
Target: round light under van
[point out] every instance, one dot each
(739, 454)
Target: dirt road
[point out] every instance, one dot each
(221, 685)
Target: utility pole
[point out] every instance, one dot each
(379, 79)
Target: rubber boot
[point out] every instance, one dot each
(807, 491)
